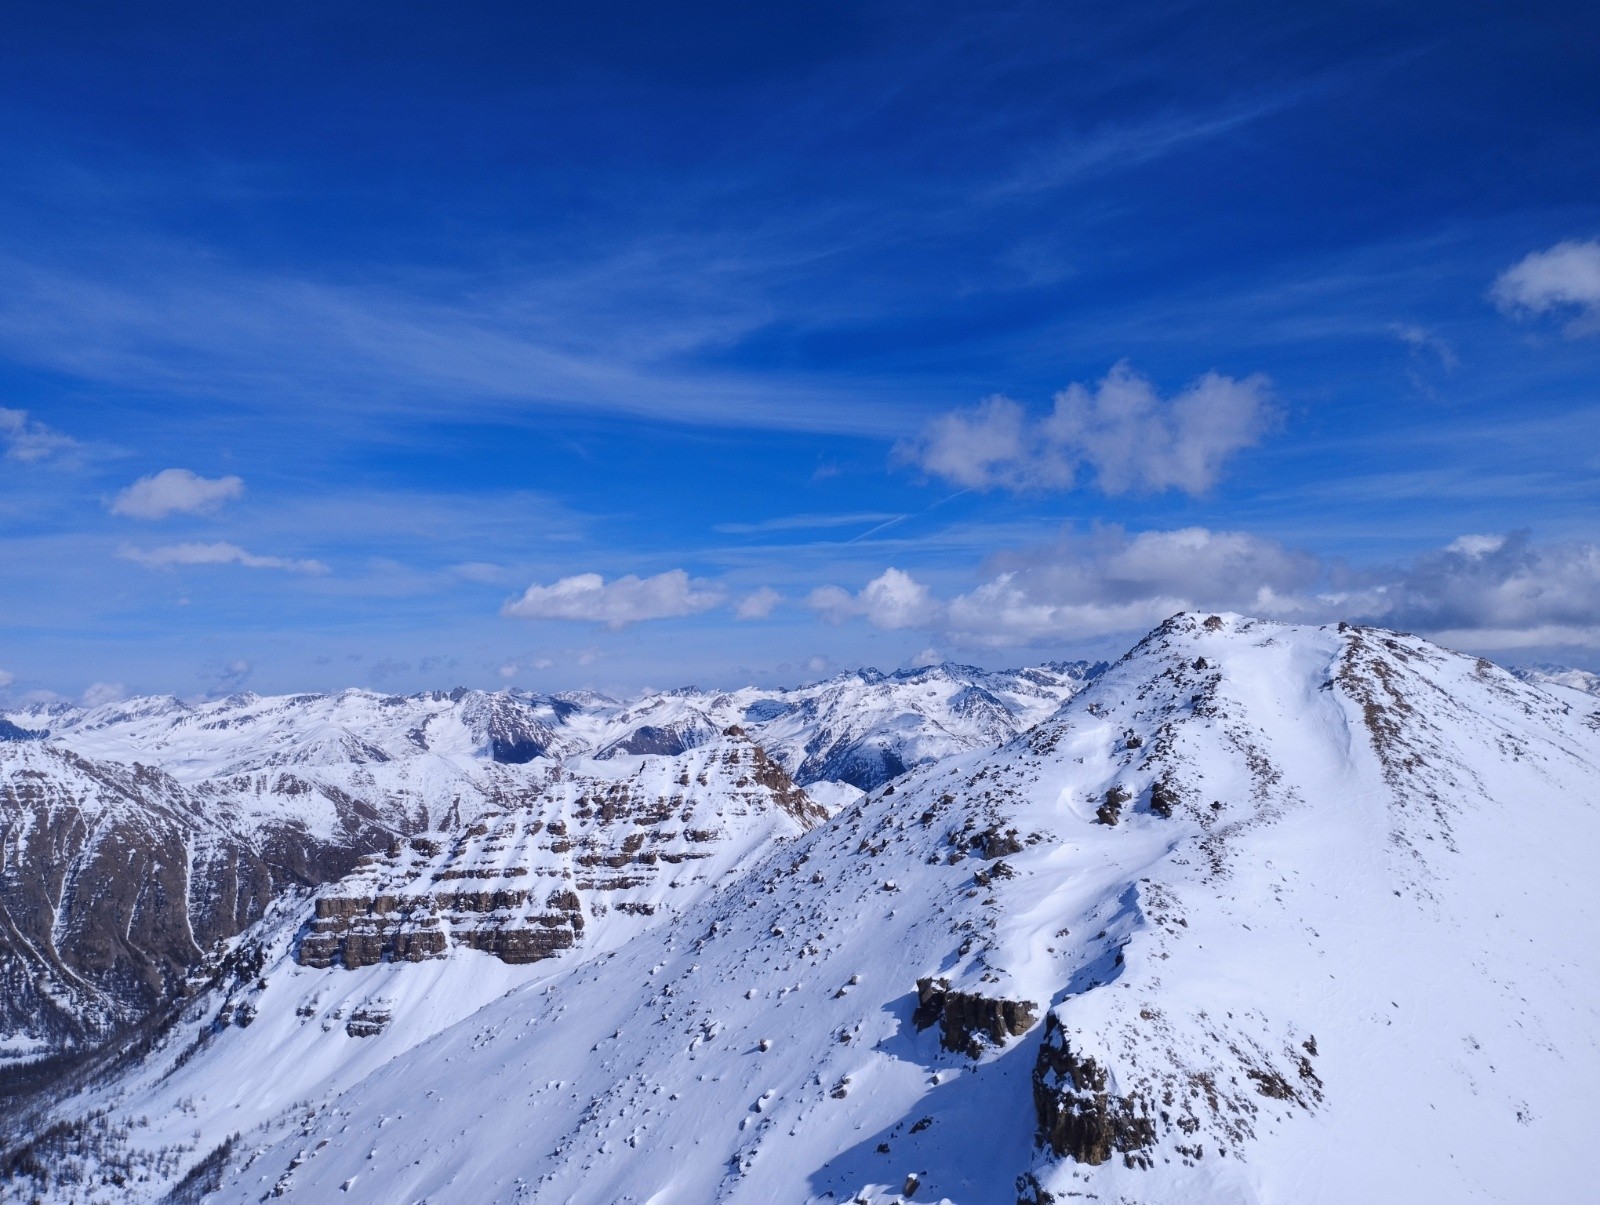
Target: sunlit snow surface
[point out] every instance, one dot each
(1355, 963)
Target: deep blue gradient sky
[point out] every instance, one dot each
(477, 298)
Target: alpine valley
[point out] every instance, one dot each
(1259, 913)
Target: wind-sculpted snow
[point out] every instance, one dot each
(1266, 913)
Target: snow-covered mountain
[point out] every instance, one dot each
(861, 728)
(1265, 913)
(1581, 680)
(138, 836)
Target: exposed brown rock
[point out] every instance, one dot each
(1078, 1117)
(969, 1021)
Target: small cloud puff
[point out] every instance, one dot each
(893, 599)
(1566, 277)
(589, 598)
(102, 693)
(215, 554)
(757, 605)
(1132, 439)
(29, 441)
(175, 492)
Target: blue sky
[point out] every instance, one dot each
(411, 345)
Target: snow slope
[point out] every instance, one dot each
(1265, 914)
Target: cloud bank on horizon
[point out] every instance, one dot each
(814, 339)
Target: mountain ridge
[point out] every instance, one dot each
(1253, 903)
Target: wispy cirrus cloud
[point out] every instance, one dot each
(176, 319)
(807, 523)
(220, 553)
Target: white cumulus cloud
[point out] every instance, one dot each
(1564, 277)
(758, 604)
(590, 598)
(893, 599)
(175, 492)
(1108, 582)
(220, 553)
(1121, 430)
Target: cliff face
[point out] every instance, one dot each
(519, 883)
(118, 883)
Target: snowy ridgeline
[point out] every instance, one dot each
(862, 728)
(1263, 913)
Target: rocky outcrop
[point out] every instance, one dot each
(368, 1020)
(1079, 1116)
(355, 931)
(968, 1021)
(509, 725)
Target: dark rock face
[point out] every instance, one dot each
(358, 931)
(515, 735)
(969, 1021)
(648, 739)
(1110, 809)
(865, 766)
(368, 1020)
(1163, 797)
(994, 843)
(116, 883)
(1077, 1116)
(763, 711)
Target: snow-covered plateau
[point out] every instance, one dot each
(1260, 913)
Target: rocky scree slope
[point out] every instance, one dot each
(1266, 913)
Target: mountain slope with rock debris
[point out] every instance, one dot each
(1265, 913)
